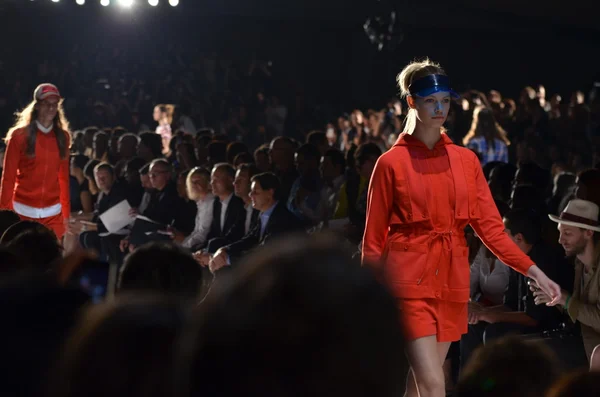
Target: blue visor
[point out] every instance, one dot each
(431, 84)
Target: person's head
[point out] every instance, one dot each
(262, 158)
(122, 347)
(131, 172)
(115, 137)
(524, 227)
(38, 248)
(100, 145)
(531, 174)
(580, 383)
(47, 108)
(578, 227)
(243, 158)
(282, 152)
(563, 182)
(161, 268)
(264, 190)
(235, 148)
(7, 219)
(127, 145)
(365, 158)
(319, 140)
(221, 179)
(145, 177)
(526, 197)
(509, 366)
(428, 94)
(88, 171)
(588, 185)
(104, 174)
(333, 164)
(78, 163)
(243, 176)
(160, 173)
(88, 136)
(163, 114)
(186, 155)
(500, 181)
(150, 146)
(335, 338)
(217, 152)
(308, 158)
(198, 183)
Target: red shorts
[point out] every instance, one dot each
(426, 317)
(54, 223)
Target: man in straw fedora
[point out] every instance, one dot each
(580, 237)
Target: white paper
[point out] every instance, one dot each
(117, 217)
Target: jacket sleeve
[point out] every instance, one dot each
(237, 229)
(248, 242)
(585, 313)
(490, 228)
(63, 183)
(380, 199)
(12, 156)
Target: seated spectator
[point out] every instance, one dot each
(319, 140)
(241, 186)
(262, 158)
(243, 158)
(22, 226)
(235, 148)
(119, 348)
(198, 190)
(281, 155)
(149, 146)
(274, 220)
(149, 191)
(343, 339)
(126, 150)
(186, 156)
(509, 367)
(229, 215)
(161, 268)
(519, 313)
(580, 384)
(165, 207)
(500, 181)
(42, 315)
(10, 264)
(38, 249)
(563, 184)
(83, 202)
(132, 181)
(88, 171)
(579, 237)
(100, 146)
(305, 193)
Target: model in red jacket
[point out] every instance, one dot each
(35, 178)
(422, 194)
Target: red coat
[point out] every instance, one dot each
(419, 203)
(39, 184)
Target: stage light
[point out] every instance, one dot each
(153, 3)
(80, 2)
(126, 3)
(105, 2)
(174, 3)
(55, 1)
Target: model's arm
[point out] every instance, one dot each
(12, 157)
(379, 208)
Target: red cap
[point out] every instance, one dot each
(44, 91)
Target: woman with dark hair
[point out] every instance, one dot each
(487, 137)
(35, 178)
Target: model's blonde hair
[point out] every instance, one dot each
(25, 119)
(484, 124)
(412, 72)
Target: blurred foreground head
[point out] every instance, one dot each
(297, 318)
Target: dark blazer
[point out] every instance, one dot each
(117, 193)
(281, 222)
(235, 221)
(167, 208)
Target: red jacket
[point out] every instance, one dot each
(39, 184)
(416, 254)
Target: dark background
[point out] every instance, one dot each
(321, 45)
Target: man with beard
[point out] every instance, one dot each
(580, 235)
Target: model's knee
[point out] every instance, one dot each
(431, 383)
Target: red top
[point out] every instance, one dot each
(419, 203)
(39, 182)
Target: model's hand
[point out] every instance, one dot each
(546, 285)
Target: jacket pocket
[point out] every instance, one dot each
(406, 263)
(460, 276)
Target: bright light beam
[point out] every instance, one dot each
(126, 3)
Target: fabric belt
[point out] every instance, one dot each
(37, 213)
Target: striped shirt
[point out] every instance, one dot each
(489, 154)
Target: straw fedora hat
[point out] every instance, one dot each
(579, 213)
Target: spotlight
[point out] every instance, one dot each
(80, 2)
(104, 3)
(126, 3)
(55, 1)
(153, 3)
(174, 3)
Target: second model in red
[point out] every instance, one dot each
(422, 194)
